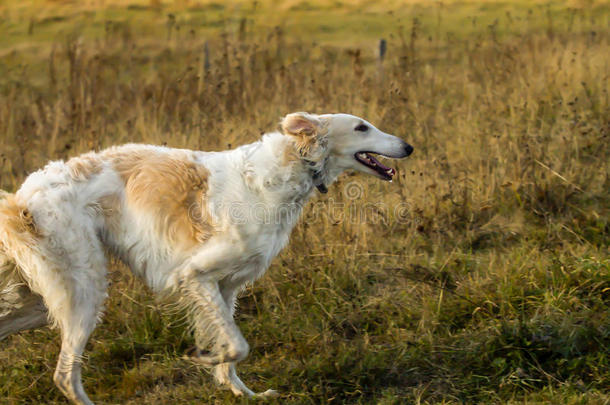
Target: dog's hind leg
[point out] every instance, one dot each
(62, 260)
(77, 322)
(74, 296)
(20, 309)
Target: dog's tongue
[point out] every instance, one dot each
(378, 163)
(380, 167)
(369, 161)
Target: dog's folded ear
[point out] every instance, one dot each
(301, 124)
(309, 132)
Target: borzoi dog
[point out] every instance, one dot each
(182, 221)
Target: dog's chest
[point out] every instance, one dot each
(268, 228)
(257, 241)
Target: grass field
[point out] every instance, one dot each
(480, 275)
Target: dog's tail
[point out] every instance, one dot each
(13, 233)
(20, 308)
(17, 238)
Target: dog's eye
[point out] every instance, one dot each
(361, 128)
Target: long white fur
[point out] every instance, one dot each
(242, 205)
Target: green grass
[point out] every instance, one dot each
(480, 275)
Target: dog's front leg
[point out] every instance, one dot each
(220, 343)
(215, 329)
(225, 373)
(218, 338)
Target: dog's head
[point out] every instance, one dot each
(344, 142)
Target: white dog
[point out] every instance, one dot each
(189, 223)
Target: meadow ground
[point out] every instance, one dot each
(480, 275)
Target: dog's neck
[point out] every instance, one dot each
(318, 174)
(282, 171)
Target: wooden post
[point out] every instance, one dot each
(204, 67)
(380, 57)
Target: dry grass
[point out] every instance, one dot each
(488, 284)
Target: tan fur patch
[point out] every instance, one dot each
(171, 188)
(82, 168)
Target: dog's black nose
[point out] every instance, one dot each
(408, 149)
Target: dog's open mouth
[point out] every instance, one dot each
(369, 161)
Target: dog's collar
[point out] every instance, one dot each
(317, 176)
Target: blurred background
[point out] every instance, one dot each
(480, 275)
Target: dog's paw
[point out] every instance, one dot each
(267, 394)
(200, 356)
